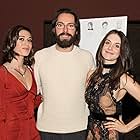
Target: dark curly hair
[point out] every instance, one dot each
(10, 43)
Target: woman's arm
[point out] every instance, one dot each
(2, 95)
(119, 125)
(133, 124)
(131, 86)
(2, 106)
(38, 100)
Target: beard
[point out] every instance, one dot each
(65, 43)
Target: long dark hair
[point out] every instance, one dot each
(10, 43)
(124, 62)
(77, 22)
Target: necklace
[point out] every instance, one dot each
(22, 74)
(109, 66)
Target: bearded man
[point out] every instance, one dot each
(61, 73)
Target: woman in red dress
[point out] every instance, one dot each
(17, 87)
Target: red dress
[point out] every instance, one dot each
(17, 120)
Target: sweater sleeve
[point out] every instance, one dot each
(36, 73)
(91, 62)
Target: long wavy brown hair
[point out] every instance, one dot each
(10, 43)
(124, 62)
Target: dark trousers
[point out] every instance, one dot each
(81, 135)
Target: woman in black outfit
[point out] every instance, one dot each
(106, 87)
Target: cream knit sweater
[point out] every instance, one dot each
(61, 78)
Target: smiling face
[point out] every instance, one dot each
(111, 48)
(65, 30)
(24, 43)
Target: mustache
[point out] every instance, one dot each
(64, 34)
